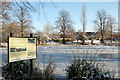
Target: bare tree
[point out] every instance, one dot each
(54, 35)
(10, 27)
(23, 17)
(5, 8)
(10, 10)
(48, 29)
(78, 34)
(111, 26)
(72, 34)
(83, 21)
(101, 22)
(39, 35)
(63, 23)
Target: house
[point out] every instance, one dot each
(89, 35)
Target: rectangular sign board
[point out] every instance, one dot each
(21, 49)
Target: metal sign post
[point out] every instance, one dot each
(11, 64)
(21, 48)
(31, 60)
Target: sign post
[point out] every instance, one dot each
(22, 48)
(12, 64)
(31, 60)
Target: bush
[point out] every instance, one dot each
(81, 69)
(49, 72)
(22, 71)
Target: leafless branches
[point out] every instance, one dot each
(101, 22)
(83, 21)
(63, 23)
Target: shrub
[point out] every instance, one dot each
(49, 72)
(81, 69)
(22, 71)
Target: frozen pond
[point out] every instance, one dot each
(62, 56)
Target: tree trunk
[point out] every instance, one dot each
(111, 35)
(83, 42)
(63, 40)
(22, 22)
(92, 41)
(102, 39)
(38, 41)
(77, 41)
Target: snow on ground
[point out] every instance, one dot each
(52, 42)
(62, 56)
(89, 41)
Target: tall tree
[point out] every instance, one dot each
(23, 17)
(111, 26)
(5, 8)
(63, 23)
(39, 35)
(10, 27)
(5, 18)
(72, 34)
(84, 22)
(48, 29)
(101, 22)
